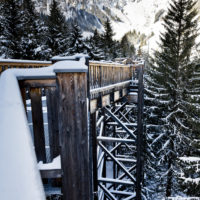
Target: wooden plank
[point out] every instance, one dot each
(109, 65)
(93, 106)
(124, 92)
(105, 100)
(24, 65)
(73, 120)
(38, 126)
(116, 181)
(106, 87)
(39, 83)
(111, 139)
(51, 173)
(52, 111)
(23, 93)
(116, 96)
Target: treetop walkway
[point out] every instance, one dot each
(94, 112)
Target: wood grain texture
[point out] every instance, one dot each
(38, 126)
(139, 140)
(74, 135)
(39, 83)
(94, 152)
(52, 111)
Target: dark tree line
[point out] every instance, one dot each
(26, 34)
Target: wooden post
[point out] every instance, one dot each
(139, 139)
(23, 93)
(73, 129)
(38, 126)
(94, 150)
(52, 108)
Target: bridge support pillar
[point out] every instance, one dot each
(73, 130)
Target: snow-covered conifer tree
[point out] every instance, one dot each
(58, 30)
(168, 94)
(76, 41)
(11, 29)
(95, 47)
(33, 39)
(128, 49)
(108, 43)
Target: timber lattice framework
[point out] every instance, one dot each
(100, 143)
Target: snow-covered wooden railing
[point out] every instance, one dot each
(65, 85)
(20, 178)
(16, 63)
(103, 74)
(108, 82)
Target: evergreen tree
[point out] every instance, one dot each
(33, 39)
(76, 42)
(168, 94)
(95, 47)
(189, 175)
(128, 50)
(3, 40)
(58, 31)
(108, 43)
(12, 28)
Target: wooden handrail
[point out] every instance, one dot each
(101, 74)
(14, 63)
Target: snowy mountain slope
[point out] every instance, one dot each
(141, 16)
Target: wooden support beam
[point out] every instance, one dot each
(94, 153)
(118, 109)
(129, 175)
(38, 126)
(52, 111)
(110, 180)
(51, 173)
(23, 93)
(111, 139)
(38, 83)
(119, 122)
(139, 140)
(73, 128)
(108, 194)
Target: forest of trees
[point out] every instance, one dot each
(40, 37)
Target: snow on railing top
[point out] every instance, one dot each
(183, 198)
(24, 61)
(20, 178)
(108, 64)
(74, 57)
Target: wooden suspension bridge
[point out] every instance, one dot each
(95, 125)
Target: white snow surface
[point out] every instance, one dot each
(55, 164)
(78, 55)
(19, 175)
(24, 61)
(190, 159)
